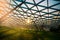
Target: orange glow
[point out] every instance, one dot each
(3, 8)
(1, 11)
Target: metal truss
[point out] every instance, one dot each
(39, 11)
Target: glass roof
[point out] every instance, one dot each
(17, 12)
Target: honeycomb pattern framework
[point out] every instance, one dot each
(39, 11)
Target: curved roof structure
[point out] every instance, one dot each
(24, 12)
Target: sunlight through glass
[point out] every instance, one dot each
(28, 20)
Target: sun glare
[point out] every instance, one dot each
(28, 20)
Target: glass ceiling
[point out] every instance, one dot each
(18, 12)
